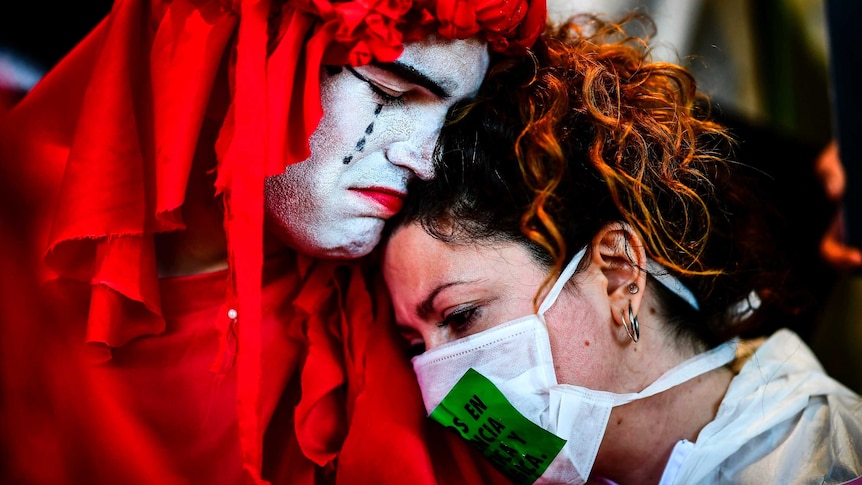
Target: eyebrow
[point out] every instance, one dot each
(426, 307)
(415, 76)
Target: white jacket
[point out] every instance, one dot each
(782, 421)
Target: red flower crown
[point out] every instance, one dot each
(366, 30)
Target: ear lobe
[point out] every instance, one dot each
(619, 253)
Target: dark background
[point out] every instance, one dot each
(42, 32)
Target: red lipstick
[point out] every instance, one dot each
(388, 199)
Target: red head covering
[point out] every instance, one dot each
(333, 33)
(137, 90)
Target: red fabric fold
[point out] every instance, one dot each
(294, 108)
(187, 49)
(103, 214)
(321, 420)
(112, 133)
(339, 322)
(241, 171)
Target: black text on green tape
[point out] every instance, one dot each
(479, 412)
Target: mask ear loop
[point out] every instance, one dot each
(663, 276)
(564, 278)
(655, 269)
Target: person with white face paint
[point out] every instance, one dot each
(576, 280)
(206, 168)
(378, 131)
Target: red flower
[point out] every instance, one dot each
(383, 38)
(351, 19)
(367, 30)
(360, 54)
(457, 18)
(392, 9)
(381, 28)
(501, 15)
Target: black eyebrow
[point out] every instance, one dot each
(415, 76)
(427, 306)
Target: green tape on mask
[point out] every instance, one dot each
(480, 413)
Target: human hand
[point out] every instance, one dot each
(833, 250)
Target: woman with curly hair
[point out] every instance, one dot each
(590, 278)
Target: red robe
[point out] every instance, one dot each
(111, 375)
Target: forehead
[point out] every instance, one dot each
(413, 255)
(458, 66)
(425, 276)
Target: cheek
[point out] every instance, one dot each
(398, 123)
(337, 123)
(349, 113)
(579, 341)
(286, 206)
(429, 121)
(298, 203)
(407, 136)
(515, 305)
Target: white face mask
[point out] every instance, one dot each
(498, 390)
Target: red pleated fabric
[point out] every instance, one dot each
(184, 380)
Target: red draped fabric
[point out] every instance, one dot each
(113, 375)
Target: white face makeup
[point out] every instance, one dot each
(378, 131)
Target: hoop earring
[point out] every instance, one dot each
(634, 329)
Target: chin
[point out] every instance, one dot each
(342, 249)
(349, 252)
(331, 242)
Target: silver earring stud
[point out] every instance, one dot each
(633, 288)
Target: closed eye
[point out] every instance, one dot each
(462, 319)
(386, 96)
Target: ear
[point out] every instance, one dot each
(618, 252)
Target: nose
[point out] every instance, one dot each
(415, 153)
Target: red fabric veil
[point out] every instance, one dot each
(139, 86)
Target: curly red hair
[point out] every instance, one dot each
(648, 131)
(588, 131)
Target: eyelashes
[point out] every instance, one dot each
(385, 97)
(461, 320)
